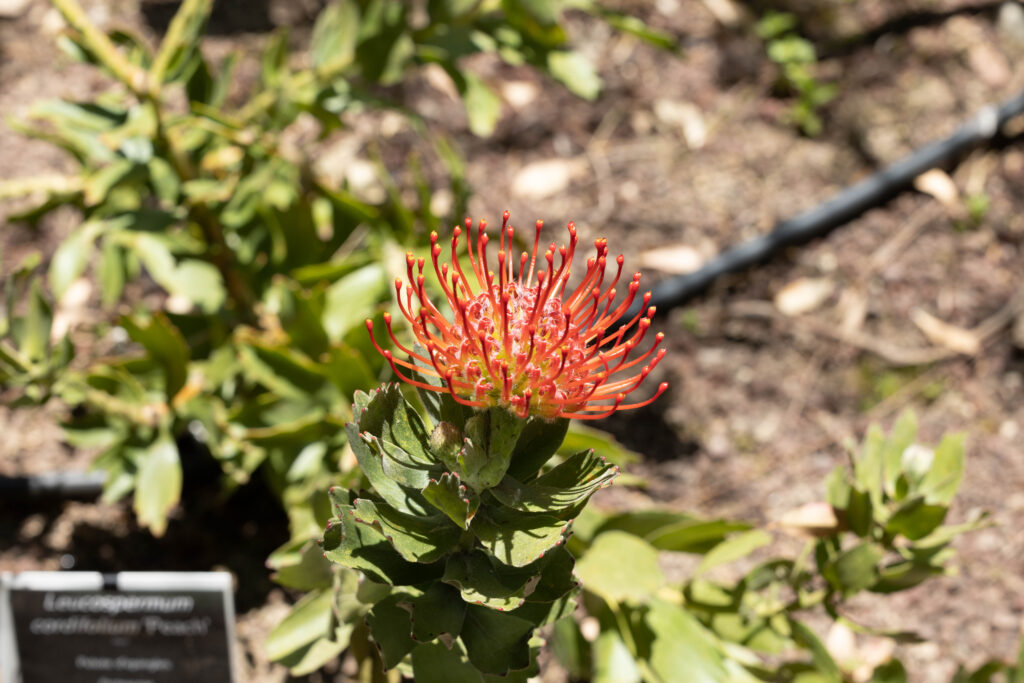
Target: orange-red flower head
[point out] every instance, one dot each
(522, 341)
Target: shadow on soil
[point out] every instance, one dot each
(209, 532)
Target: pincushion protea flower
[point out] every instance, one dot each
(523, 341)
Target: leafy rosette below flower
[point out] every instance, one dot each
(462, 523)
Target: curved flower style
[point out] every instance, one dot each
(522, 341)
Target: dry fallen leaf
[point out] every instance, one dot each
(546, 178)
(938, 184)
(71, 309)
(687, 117)
(944, 334)
(803, 295)
(841, 643)
(989, 64)
(12, 9)
(678, 259)
(440, 80)
(726, 12)
(853, 309)
(519, 94)
(812, 519)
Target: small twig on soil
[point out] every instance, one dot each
(902, 239)
(896, 355)
(891, 353)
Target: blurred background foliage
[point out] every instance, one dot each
(267, 268)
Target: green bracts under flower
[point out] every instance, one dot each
(462, 524)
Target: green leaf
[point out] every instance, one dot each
(308, 463)
(571, 649)
(558, 580)
(315, 655)
(72, 256)
(693, 536)
(181, 38)
(353, 299)
(99, 184)
(404, 428)
(417, 539)
(545, 12)
(400, 466)
(902, 436)
(274, 61)
(371, 461)
(384, 44)
(445, 10)
(164, 180)
(791, 49)
(603, 571)
(581, 437)
(837, 487)
(538, 441)
(435, 663)
(636, 27)
(391, 628)
(34, 337)
(308, 620)
(439, 610)
(915, 519)
(483, 106)
(300, 564)
(496, 642)
(940, 484)
(77, 127)
(823, 661)
(363, 547)
(903, 575)
(157, 485)
(860, 511)
(286, 372)
(645, 523)
(868, 466)
(165, 345)
(613, 662)
(569, 484)
(490, 442)
(483, 581)
(681, 643)
(576, 72)
(199, 282)
(154, 254)
(855, 569)
(734, 548)
(774, 24)
(448, 495)
(333, 45)
(517, 538)
(110, 271)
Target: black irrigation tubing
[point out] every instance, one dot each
(869, 193)
(52, 486)
(819, 221)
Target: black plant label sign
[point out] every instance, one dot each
(114, 636)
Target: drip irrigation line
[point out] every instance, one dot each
(844, 207)
(52, 486)
(819, 221)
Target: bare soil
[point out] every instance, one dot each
(686, 153)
